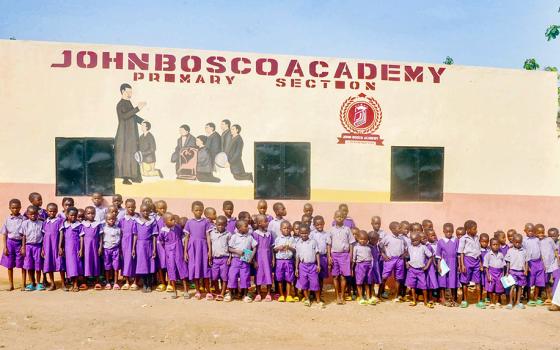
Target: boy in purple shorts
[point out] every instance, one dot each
(493, 263)
(323, 240)
(420, 259)
(393, 251)
(339, 255)
(221, 258)
(241, 246)
(111, 240)
(550, 260)
(308, 266)
(11, 237)
(362, 264)
(536, 274)
(470, 264)
(284, 249)
(32, 244)
(516, 266)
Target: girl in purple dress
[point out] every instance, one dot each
(263, 259)
(431, 274)
(446, 252)
(69, 247)
(171, 238)
(128, 227)
(90, 249)
(161, 266)
(144, 247)
(52, 260)
(197, 244)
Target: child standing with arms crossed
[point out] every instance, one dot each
(516, 266)
(11, 236)
(241, 246)
(69, 247)
(494, 263)
(308, 266)
(264, 261)
(197, 250)
(284, 248)
(340, 254)
(221, 259)
(32, 236)
(111, 244)
(470, 264)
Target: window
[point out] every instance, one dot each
(84, 166)
(282, 170)
(417, 174)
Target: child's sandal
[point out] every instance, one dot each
(430, 305)
(219, 298)
(126, 286)
(97, 287)
(108, 286)
(134, 286)
(83, 286)
(268, 298)
(116, 287)
(412, 303)
(209, 296)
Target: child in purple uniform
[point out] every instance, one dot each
(161, 209)
(197, 245)
(128, 228)
(227, 207)
(361, 268)
(111, 235)
(375, 277)
(420, 259)
(242, 247)
(144, 247)
(274, 225)
(323, 240)
(340, 255)
(550, 260)
(117, 201)
(284, 249)
(52, 261)
(484, 240)
(11, 240)
(501, 237)
(536, 276)
(493, 263)
(470, 264)
(393, 251)
(221, 258)
(262, 207)
(446, 251)
(308, 266)
(100, 210)
(263, 258)
(69, 247)
(430, 241)
(90, 249)
(516, 266)
(36, 200)
(347, 221)
(66, 203)
(32, 243)
(171, 238)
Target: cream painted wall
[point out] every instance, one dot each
(497, 125)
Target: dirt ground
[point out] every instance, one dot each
(133, 320)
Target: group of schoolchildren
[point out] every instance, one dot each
(219, 255)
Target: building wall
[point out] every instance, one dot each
(502, 159)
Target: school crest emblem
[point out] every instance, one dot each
(361, 116)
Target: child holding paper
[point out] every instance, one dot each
(446, 253)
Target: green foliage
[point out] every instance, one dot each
(531, 64)
(552, 32)
(448, 60)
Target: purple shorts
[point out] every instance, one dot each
(308, 278)
(472, 274)
(396, 265)
(284, 270)
(556, 279)
(495, 284)
(416, 278)
(341, 264)
(111, 259)
(324, 262)
(536, 273)
(362, 272)
(33, 260)
(219, 269)
(519, 276)
(14, 258)
(239, 270)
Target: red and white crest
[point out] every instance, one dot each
(361, 116)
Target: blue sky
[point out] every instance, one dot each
(475, 32)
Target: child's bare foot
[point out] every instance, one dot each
(11, 288)
(51, 287)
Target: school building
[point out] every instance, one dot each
(397, 139)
